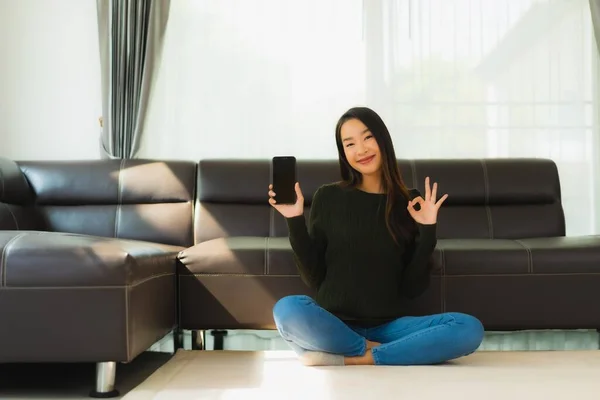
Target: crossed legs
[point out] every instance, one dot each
(320, 338)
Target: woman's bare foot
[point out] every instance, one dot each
(366, 359)
(370, 344)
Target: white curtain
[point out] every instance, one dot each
(451, 78)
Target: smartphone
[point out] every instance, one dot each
(283, 177)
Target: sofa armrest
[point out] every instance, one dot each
(17, 211)
(52, 259)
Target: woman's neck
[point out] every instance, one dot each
(371, 184)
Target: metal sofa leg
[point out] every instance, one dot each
(177, 340)
(105, 381)
(219, 336)
(198, 340)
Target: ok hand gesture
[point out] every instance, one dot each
(427, 214)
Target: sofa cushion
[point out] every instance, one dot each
(249, 255)
(50, 259)
(135, 199)
(242, 255)
(452, 257)
(234, 255)
(564, 255)
(482, 257)
(560, 255)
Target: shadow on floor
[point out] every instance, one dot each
(72, 381)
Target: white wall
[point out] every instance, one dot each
(50, 94)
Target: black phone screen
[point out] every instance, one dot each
(283, 171)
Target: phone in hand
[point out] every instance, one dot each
(283, 178)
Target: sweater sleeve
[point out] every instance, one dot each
(417, 271)
(309, 243)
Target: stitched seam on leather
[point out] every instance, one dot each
(238, 274)
(413, 168)
(447, 276)
(3, 264)
(486, 184)
(527, 275)
(271, 221)
(529, 256)
(119, 199)
(266, 256)
(2, 180)
(195, 201)
(149, 278)
(89, 287)
(443, 277)
(246, 275)
(12, 214)
(127, 347)
(271, 233)
(178, 299)
(121, 287)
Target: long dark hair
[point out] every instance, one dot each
(393, 184)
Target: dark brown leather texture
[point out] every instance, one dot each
(99, 259)
(89, 256)
(502, 253)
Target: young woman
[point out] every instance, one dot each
(368, 246)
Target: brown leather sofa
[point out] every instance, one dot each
(88, 259)
(502, 253)
(89, 269)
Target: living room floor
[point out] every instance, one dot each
(268, 358)
(71, 381)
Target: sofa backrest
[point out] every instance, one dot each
(17, 210)
(131, 199)
(491, 198)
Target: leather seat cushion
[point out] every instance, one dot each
(564, 255)
(242, 255)
(249, 255)
(453, 257)
(560, 255)
(50, 259)
(481, 257)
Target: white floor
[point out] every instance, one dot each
(73, 381)
(277, 375)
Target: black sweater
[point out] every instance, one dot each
(349, 257)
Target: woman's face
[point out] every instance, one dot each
(360, 147)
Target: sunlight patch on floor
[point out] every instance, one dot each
(277, 375)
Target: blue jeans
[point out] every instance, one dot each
(428, 340)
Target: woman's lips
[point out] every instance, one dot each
(366, 160)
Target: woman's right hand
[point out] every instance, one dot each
(288, 210)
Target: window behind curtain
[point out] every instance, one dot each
(451, 78)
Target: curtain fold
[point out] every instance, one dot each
(131, 35)
(595, 14)
(595, 11)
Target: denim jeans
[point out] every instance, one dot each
(427, 340)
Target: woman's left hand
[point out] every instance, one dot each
(427, 214)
